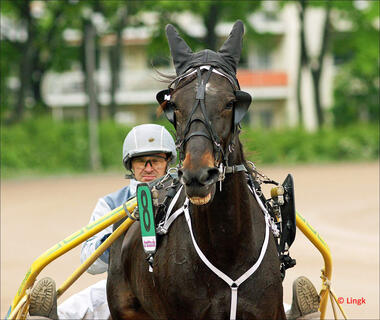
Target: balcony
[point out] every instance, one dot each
(140, 87)
(264, 85)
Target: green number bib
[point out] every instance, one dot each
(148, 228)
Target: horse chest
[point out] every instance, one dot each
(184, 278)
(181, 280)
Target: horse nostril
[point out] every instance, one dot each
(202, 177)
(209, 176)
(181, 176)
(213, 174)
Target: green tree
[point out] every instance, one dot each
(356, 92)
(210, 13)
(10, 52)
(20, 10)
(43, 48)
(119, 15)
(357, 49)
(314, 63)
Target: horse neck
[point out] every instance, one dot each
(230, 226)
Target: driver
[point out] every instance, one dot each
(148, 150)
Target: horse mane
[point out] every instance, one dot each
(242, 156)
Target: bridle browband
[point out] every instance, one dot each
(220, 155)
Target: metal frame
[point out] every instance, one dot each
(326, 275)
(20, 305)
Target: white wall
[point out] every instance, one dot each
(138, 83)
(314, 19)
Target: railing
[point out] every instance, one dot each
(141, 86)
(67, 89)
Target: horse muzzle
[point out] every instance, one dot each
(199, 184)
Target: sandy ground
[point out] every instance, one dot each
(340, 201)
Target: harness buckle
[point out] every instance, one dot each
(150, 260)
(222, 172)
(222, 175)
(161, 230)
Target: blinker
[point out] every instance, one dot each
(243, 101)
(165, 95)
(169, 113)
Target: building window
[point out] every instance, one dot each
(261, 59)
(266, 118)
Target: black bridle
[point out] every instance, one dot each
(212, 136)
(221, 155)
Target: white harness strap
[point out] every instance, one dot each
(207, 67)
(234, 284)
(169, 219)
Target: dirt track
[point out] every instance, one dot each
(340, 201)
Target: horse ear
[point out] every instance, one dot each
(164, 95)
(243, 101)
(180, 51)
(231, 48)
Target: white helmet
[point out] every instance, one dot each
(147, 139)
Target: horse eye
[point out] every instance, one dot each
(171, 105)
(229, 105)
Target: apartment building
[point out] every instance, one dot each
(268, 72)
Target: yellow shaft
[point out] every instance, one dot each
(95, 255)
(69, 243)
(322, 247)
(15, 311)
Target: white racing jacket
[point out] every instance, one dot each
(103, 206)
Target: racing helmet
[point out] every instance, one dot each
(147, 139)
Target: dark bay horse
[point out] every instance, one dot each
(228, 225)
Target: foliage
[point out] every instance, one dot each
(208, 12)
(43, 146)
(111, 137)
(36, 46)
(356, 94)
(357, 84)
(298, 145)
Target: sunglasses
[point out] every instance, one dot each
(156, 162)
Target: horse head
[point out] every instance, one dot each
(205, 105)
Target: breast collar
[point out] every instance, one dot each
(164, 226)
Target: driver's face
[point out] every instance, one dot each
(150, 167)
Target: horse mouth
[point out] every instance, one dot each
(199, 201)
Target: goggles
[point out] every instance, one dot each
(156, 162)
